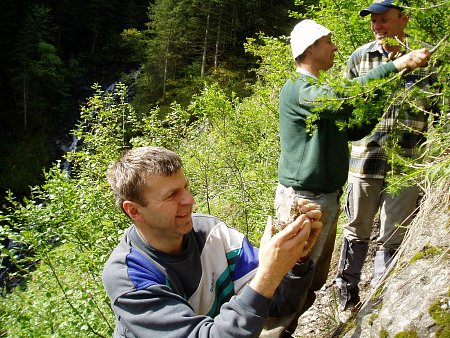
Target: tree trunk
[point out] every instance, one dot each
(216, 54)
(166, 68)
(25, 107)
(205, 42)
(94, 39)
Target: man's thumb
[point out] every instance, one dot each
(268, 231)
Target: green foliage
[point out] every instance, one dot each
(406, 334)
(51, 52)
(275, 63)
(426, 252)
(31, 154)
(441, 315)
(372, 318)
(426, 24)
(78, 215)
(40, 76)
(232, 161)
(135, 40)
(229, 146)
(377, 294)
(194, 40)
(350, 324)
(384, 333)
(58, 301)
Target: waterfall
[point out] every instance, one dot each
(72, 147)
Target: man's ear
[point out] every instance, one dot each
(133, 211)
(405, 19)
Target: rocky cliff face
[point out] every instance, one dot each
(414, 296)
(412, 299)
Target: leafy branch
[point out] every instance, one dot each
(68, 300)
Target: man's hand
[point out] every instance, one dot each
(278, 253)
(313, 212)
(416, 58)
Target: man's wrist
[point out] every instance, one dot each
(263, 284)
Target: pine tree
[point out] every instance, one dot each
(39, 76)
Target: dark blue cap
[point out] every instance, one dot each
(381, 6)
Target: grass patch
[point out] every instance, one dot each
(426, 252)
(406, 334)
(440, 313)
(384, 333)
(377, 294)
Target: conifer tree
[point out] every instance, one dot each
(39, 76)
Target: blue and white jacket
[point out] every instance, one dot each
(202, 292)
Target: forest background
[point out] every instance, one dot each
(199, 77)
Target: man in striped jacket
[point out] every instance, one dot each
(178, 274)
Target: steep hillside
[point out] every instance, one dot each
(414, 296)
(412, 300)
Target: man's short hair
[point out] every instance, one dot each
(299, 59)
(128, 175)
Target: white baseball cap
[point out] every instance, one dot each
(304, 34)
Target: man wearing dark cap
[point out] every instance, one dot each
(366, 185)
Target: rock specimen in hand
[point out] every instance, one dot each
(288, 209)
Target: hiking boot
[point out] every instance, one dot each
(348, 299)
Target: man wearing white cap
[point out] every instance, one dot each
(366, 187)
(315, 164)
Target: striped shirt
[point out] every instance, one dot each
(401, 124)
(201, 292)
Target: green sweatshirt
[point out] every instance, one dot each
(317, 162)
